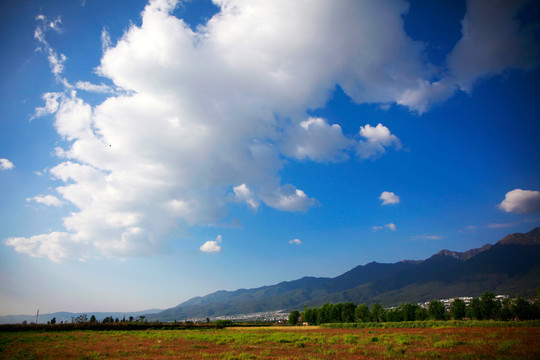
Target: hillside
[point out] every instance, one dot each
(511, 266)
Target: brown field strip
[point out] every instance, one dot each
(277, 343)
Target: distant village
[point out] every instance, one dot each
(281, 316)
(466, 299)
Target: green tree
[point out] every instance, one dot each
(458, 309)
(310, 315)
(324, 314)
(474, 310)
(293, 317)
(420, 313)
(409, 311)
(522, 309)
(377, 313)
(336, 311)
(436, 310)
(361, 313)
(536, 305)
(53, 320)
(347, 312)
(93, 319)
(80, 319)
(506, 310)
(489, 305)
(394, 315)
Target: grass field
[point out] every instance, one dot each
(277, 343)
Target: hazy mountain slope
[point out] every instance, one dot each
(511, 266)
(284, 295)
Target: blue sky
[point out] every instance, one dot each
(152, 152)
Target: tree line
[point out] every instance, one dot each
(486, 307)
(83, 318)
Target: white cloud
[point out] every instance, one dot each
(295, 242)
(390, 226)
(521, 201)
(289, 198)
(51, 104)
(57, 246)
(493, 40)
(212, 246)
(48, 200)
(205, 118)
(316, 140)
(389, 198)
(377, 140)
(5, 164)
(427, 93)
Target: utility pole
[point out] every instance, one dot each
(37, 315)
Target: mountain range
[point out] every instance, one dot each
(511, 266)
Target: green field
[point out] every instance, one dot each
(508, 342)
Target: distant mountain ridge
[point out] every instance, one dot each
(511, 266)
(464, 255)
(66, 316)
(530, 238)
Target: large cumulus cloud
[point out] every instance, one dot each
(200, 119)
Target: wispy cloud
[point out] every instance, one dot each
(48, 200)
(502, 225)
(390, 226)
(106, 42)
(295, 242)
(56, 60)
(512, 224)
(427, 237)
(88, 86)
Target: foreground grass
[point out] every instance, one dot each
(432, 324)
(278, 343)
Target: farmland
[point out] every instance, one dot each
(507, 342)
